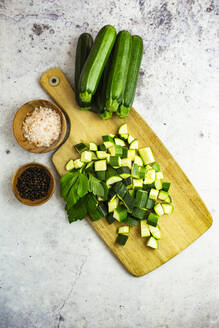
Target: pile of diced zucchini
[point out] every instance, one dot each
(135, 187)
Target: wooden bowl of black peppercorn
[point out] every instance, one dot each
(33, 184)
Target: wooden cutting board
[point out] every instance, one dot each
(190, 218)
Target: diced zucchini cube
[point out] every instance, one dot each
(152, 219)
(162, 195)
(119, 142)
(159, 175)
(78, 164)
(131, 154)
(121, 239)
(147, 155)
(153, 193)
(123, 129)
(158, 184)
(130, 139)
(124, 230)
(115, 161)
(108, 141)
(152, 242)
(69, 165)
(101, 154)
(145, 232)
(100, 165)
(138, 160)
(134, 144)
(135, 170)
(92, 146)
(158, 209)
(120, 213)
(112, 204)
(126, 162)
(150, 176)
(86, 156)
(167, 208)
(137, 183)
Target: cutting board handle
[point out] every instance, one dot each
(58, 87)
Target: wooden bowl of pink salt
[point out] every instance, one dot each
(39, 126)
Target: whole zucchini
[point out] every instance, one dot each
(119, 71)
(85, 42)
(132, 78)
(99, 98)
(96, 61)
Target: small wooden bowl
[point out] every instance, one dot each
(28, 201)
(20, 117)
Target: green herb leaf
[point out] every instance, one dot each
(78, 211)
(67, 181)
(83, 185)
(95, 186)
(73, 196)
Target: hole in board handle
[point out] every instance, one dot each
(54, 81)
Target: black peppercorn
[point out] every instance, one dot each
(33, 183)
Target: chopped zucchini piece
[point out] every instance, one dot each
(123, 129)
(148, 186)
(135, 170)
(108, 141)
(89, 167)
(123, 169)
(86, 156)
(69, 165)
(153, 193)
(158, 209)
(119, 142)
(162, 195)
(113, 180)
(166, 186)
(156, 167)
(142, 172)
(93, 155)
(121, 239)
(150, 176)
(128, 181)
(100, 165)
(124, 230)
(159, 175)
(168, 199)
(92, 146)
(112, 204)
(78, 164)
(145, 232)
(134, 144)
(131, 221)
(139, 213)
(152, 219)
(152, 242)
(131, 154)
(168, 208)
(102, 147)
(110, 218)
(101, 154)
(129, 201)
(130, 139)
(115, 161)
(101, 175)
(147, 155)
(158, 184)
(126, 162)
(111, 194)
(150, 204)
(124, 136)
(81, 147)
(155, 231)
(120, 213)
(137, 183)
(141, 198)
(110, 172)
(124, 152)
(138, 160)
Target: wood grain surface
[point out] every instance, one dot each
(190, 218)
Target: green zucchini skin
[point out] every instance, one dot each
(119, 71)
(96, 61)
(132, 78)
(99, 98)
(84, 45)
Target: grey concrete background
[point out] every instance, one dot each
(53, 274)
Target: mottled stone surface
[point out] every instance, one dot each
(56, 275)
